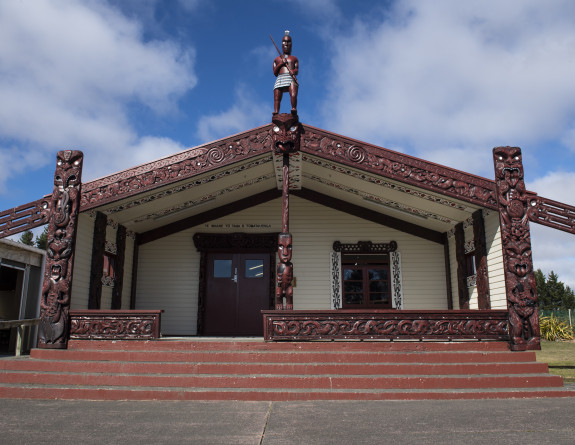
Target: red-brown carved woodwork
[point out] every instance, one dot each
(97, 264)
(551, 213)
(119, 272)
(462, 290)
(385, 324)
(286, 133)
(284, 274)
(482, 279)
(115, 325)
(516, 243)
(54, 328)
(24, 217)
(400, 167)
(364, 247)
(175, 168)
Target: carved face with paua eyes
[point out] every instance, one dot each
(286, 133)
(508, 165)
(284, 247)
(69, 164)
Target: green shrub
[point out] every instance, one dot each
(553, 329)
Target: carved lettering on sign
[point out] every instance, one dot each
(516, 243)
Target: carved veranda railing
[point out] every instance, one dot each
(386, 325)
(24, 217)
(115, 324)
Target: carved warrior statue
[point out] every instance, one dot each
(284, 273)
(64, 206)
(286, 68)
(516, 242)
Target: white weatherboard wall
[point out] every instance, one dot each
(494, 264)
(82, 262)
(168, 269)
(495, 261)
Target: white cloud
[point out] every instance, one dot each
(456, 74)
(69, 71)
(244, 114)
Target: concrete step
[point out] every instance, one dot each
(266, 356)
(234, 369)
(250, 368)
(284, 381)
(183, 394)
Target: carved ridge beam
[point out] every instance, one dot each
(370, 215)
(24, 217)
(400, 167)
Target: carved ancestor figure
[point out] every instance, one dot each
(286, 68)
(516, 243)
(286, 135)
(284, 273)
(55, 299)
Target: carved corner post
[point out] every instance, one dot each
(482, 277)
(516, 244)
(462, 289)
(54, 329)
(285, 140)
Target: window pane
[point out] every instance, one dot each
(378, 286)
(254, 269)
(379, 298)
(351, 274)
(222, 268)
(377, 274)
(353, 286)
(353, 298)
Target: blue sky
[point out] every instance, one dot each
(128, 81)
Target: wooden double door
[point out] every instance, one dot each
(237, 289)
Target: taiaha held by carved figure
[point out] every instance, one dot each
(54, 327)
(516, 243)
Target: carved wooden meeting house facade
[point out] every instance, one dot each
(385, 245)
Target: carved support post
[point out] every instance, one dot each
(54, 329)
(120, 258)
(285, 140)
(481, 275)
(516, 244)
(97, 267)
(462, 290)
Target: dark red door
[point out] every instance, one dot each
(237, 289)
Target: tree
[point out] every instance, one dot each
(42, 239)
(552, 293)
(27, 238)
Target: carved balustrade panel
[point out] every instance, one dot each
(115, 325)
(382, 324)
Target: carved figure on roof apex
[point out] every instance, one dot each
(286, 68)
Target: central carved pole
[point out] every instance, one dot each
(285, 140)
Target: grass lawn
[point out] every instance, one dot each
(560, 356)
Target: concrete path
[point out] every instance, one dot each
(526, 421)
